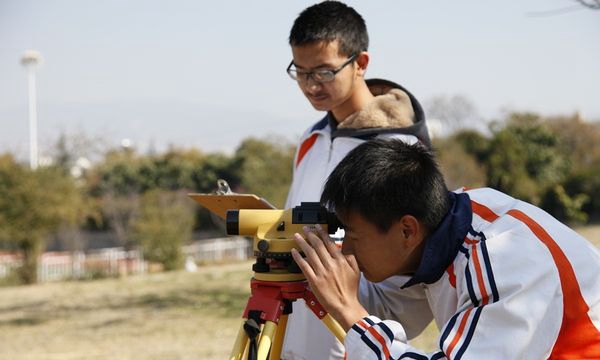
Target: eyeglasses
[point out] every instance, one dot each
(319, 76)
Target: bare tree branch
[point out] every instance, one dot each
(591, 4)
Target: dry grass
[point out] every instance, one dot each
(590, 232)
(158, 316)
(176, 316)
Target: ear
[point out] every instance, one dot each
(412, 230)
(362, 60)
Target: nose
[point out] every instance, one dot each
(311, 84)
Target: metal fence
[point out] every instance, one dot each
(54, 266)
(103, 262)
(220, 249)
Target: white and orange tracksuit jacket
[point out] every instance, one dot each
(504, 280)
(321, 148)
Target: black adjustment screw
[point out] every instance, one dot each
(260, 266)
(263, 245)
(281, 226)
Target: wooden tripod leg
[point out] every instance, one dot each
(279, 337)
(240, 344)
(336, 329)
(266, 339)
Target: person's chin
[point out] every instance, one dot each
(321, 104)
(371, 278)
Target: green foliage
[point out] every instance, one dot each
(460, 167)
(119, 212)
(214, 167)
(178, 169)
(163, 225)
(265, 168)
(34, 204)
(582, 144)
(120, 174)
(549, 162)
(472, 142)
(586, 182)
(580, 139)
(525, 158)
(117, 182)
(565, 207)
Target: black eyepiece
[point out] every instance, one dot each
(232, 222)
(315, 213)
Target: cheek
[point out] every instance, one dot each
(347, 248)
(337, 89)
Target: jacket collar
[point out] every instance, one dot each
(443, 245)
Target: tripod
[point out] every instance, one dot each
(262, 331)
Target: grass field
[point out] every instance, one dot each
(167, 316)
(173, 315)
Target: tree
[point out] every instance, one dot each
(564, 207)
(459, 165)
(590, 4)
(455, 112)
(34, 204)
(525, 158)
(581, 141)
(265, 168)
(164, 224)
(473, 143)
(586, 183)
(115, 184)
(174, 169)
(214, 167)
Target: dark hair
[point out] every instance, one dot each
(329, 21)
(383, 180)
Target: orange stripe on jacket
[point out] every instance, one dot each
(578, 338)
(478, 271)
(306, 145)
(363, 324)
(459, 332)
(378, 336)
(471, 241)
(381, 340)
(451, 275)
(483, 211)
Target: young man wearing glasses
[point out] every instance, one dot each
(329, 44)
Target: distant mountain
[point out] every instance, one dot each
(147, 124)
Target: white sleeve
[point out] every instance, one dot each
(387, 300)
(372, 338)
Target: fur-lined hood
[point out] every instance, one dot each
(394, 110)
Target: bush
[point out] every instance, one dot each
(565, 207)
(163, 226)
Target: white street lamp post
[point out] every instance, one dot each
(30, 61)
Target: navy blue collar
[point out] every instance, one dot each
(321, 124)
(442, 246)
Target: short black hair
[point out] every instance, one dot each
(385, 179)
(328, 21)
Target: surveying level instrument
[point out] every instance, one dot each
(277, 280)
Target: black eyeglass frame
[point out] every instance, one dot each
(293, 73)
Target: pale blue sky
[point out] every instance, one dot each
(208, 74)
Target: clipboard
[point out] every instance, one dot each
(219, 204)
